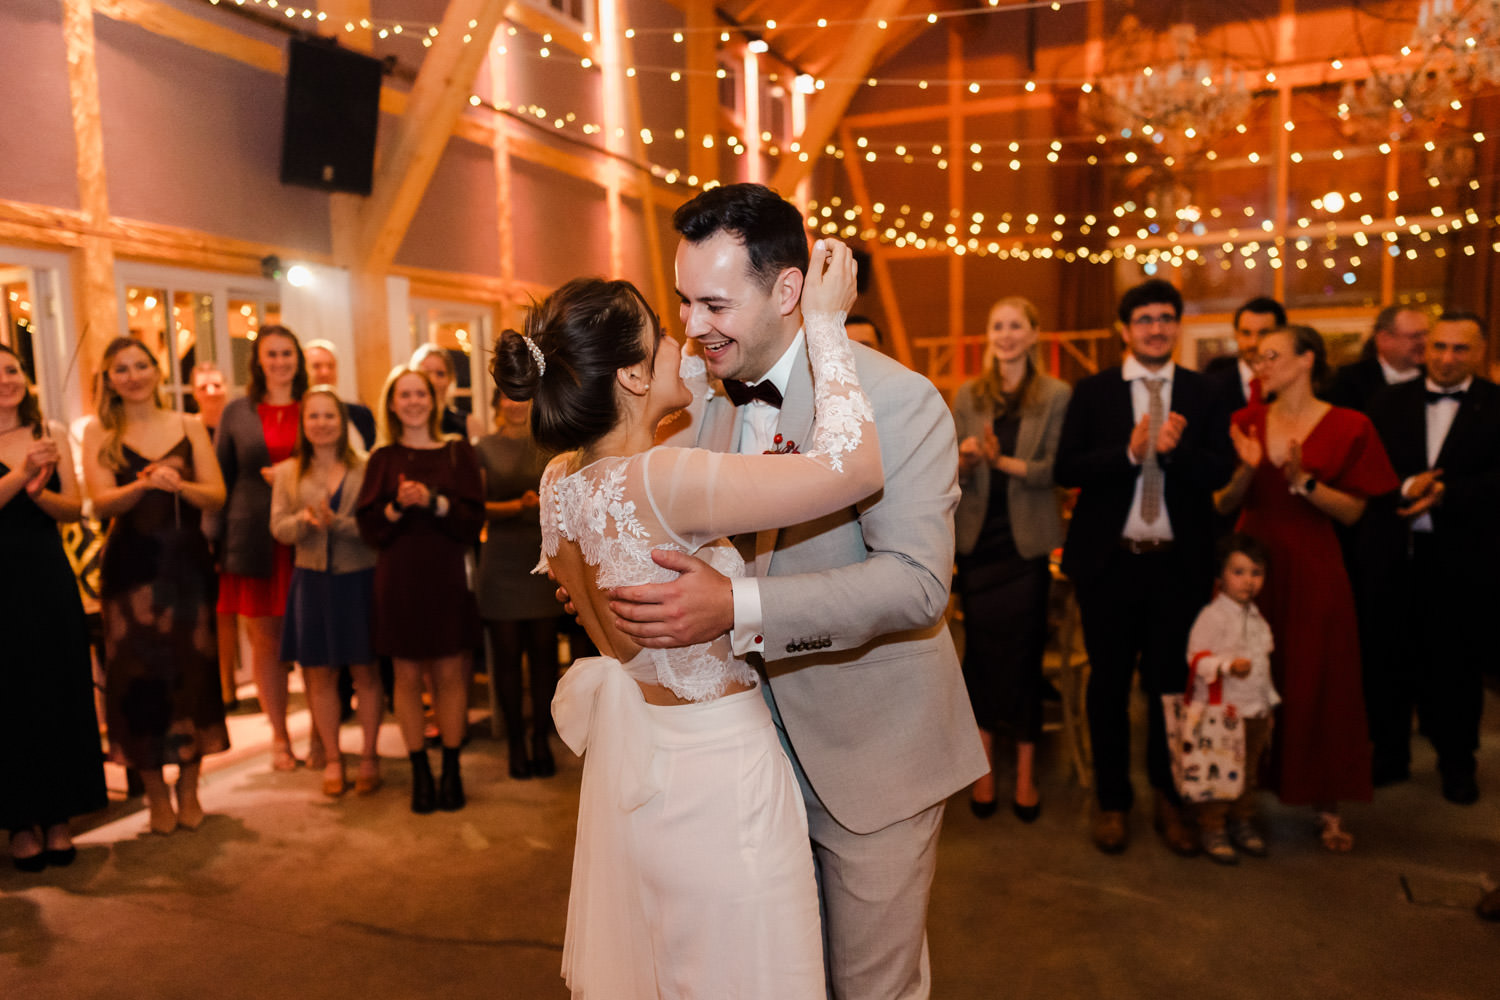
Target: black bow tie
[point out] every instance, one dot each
(1457, 395)
(739, 393)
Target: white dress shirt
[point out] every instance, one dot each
(1247, 375)
(1392, 376)
(1132, 371)
(757, 435)
(1440, 416)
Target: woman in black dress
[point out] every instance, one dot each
(421, 508)
(152, 473)
(50, 767)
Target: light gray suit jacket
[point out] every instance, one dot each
(1036, 521)
(857, 650)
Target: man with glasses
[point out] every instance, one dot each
(1146, 443)
(1392, 355)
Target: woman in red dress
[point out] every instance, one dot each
(255, 432)
(1303, 465)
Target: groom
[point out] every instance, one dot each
(843, 614)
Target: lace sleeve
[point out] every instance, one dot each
(701, 495)
(554, 527)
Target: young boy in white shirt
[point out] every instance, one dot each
(1231, 642)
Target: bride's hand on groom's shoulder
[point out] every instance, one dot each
(830, 285)
(696, 607)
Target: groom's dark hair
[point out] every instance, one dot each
(769, 226)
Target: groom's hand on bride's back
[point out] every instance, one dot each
(696, 607)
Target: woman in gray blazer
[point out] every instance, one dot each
(332, 591)
(1007, 523)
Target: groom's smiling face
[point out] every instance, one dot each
(742, 327)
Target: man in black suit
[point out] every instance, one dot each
(1438, 544)
(1233, 375)
(1392, 355)
(1147, 443)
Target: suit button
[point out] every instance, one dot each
(791, 647)
(827, 643)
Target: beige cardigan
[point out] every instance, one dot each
(1035, 518)
(289, 497)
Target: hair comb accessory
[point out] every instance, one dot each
(536, 355)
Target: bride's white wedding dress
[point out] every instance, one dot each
(692, 874)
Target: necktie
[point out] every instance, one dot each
(1150, 468)
(1255, 396)
(1457, 395)
(739, 393)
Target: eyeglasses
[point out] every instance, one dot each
(1264, 358)
(1164, 319)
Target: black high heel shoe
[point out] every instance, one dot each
(520, 767)
(542, 764)
(423, 791)
(1026, 814)
(983, 810)
(451, 785)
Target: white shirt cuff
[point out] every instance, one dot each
(1133, 460)
(746, 636)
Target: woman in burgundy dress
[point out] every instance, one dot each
(255, 432)
(1303, 465)
(421, 507)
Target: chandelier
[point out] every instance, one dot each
(1452, 53)
(1171, 108)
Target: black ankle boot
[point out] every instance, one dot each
(520, 767)
(451, 785)
(423, 793)
(542, 764)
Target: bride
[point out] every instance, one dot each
(692, 874)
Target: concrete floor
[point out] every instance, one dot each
(283, 893)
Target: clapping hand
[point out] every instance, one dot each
(1292, 468)
(1171, 432)
(1424, 491)
(162, 476)
(41, 459)
(320, 516)
(530, 501)
(410, 493)
(1247, 446)
(830, 286)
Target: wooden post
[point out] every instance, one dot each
(844, 77)
(93, 264)
(879, 257)
(701, 44)
(956, 295)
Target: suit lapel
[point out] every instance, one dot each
(794, 424)
(1469, 412)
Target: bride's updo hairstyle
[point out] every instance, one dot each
(576, 339)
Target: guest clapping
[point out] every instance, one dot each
(1303, 466)
(152, 473)
(328, 617)
(422, 506)
(256, 432)
(1007, 523)
(49, 739)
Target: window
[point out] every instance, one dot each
(186, 318)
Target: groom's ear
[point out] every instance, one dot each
(787, 290)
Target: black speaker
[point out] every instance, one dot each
(332, 111)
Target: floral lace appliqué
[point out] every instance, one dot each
(591, 507)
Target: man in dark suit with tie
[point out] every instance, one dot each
(1437, 546)
(1147, 444)
(1233, 375)
(1392, 355)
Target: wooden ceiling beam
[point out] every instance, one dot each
(438, 99)
(847, 75)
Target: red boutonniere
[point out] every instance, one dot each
(780, 446)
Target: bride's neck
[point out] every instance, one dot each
(629, 437)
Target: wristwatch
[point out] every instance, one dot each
(1304, 488)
